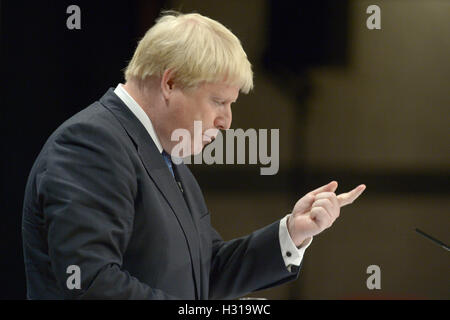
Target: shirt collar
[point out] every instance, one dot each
(139, 113)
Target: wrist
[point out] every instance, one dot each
(304, 242)
(298, 241)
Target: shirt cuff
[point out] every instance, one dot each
(292, 255)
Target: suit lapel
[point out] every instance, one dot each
(191, 194)
(186, 179)
(159, 173)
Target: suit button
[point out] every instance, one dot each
(288, 253)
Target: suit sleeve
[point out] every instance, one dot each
(248, 264)
(87, 193)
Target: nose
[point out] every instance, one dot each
(223, 120)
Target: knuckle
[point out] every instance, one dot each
(324, 202)
(316, 203)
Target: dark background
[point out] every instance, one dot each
(353, 105)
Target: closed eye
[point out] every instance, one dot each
(220, 102)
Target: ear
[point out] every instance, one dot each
(167, 83)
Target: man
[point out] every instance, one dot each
(105, 203)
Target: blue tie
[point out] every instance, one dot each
(168, 160)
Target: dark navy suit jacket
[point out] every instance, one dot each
(101, 197)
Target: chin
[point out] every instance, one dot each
(197, 148)
(196, 151)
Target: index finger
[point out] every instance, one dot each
(348, 197)
(330, 187)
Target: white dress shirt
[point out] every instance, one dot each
(292, 255)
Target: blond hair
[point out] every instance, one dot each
(196, 48)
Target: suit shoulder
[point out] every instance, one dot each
(93, 128)
(94, 116)
(94, 123)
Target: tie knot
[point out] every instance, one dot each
(165, 154)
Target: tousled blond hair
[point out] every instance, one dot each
(196, 48)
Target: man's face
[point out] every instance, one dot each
(209, 103)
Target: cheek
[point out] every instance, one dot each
(196, 111)
(208, 114)
(186, 110)
(179, 113)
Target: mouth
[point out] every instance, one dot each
(210, 135)
(208, 139)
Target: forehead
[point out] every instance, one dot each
(220, 90)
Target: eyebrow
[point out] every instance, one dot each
(218, 97)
